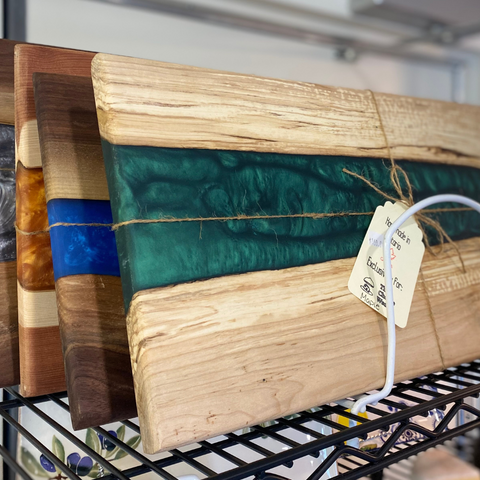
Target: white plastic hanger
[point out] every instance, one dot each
(361, 404)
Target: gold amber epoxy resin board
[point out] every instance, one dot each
(9, 356)
(41, 359)
(243, 320)
(85, 262)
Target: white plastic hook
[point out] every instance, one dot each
(361, 404)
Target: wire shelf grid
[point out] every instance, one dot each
(418, 414)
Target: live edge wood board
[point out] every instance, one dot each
(9, 356)
(41, 359)
(236, 322)
(85, 262)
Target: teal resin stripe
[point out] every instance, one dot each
(152, 182)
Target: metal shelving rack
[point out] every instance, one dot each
(449, 396)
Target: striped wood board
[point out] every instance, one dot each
(237, 322)
(9, 356)
(85, 262)
(41, 359)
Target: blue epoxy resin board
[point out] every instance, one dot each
(85, 261)
(80, 249)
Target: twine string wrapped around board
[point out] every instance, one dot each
(421, 217)
(314, 216)
(395, 170)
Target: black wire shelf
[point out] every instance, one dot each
(417, 415)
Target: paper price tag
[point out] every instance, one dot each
(367, 281)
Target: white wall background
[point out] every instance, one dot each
(89, 25)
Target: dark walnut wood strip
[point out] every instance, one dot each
(97, 359)
(41, 361)
(70, 141)
(30, 59)
(7, 112)
(9, 356)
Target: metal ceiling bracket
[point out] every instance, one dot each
(15, 20)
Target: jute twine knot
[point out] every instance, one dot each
(421, 218)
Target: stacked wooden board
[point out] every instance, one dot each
(41, 359)
(237, 304)
(85, 263)
(234, 318)
(9, 357)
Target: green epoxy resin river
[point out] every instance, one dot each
(152, 182)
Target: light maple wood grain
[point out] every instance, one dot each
(143, 102)
(213, 356)
(37, 309)
(456, 302)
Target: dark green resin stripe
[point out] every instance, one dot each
(149, 182)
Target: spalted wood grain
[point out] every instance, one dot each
(456, 302)
(95, 345)
(7, 113)
(143, 102)
(71, 146)
(30, 59)
(216, 355)
(9, 356)
(34, 253)
(213, 356)
(247, 366)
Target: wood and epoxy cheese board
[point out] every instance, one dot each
(85, 262)
(9, 353)
(235, 318)
(41, 359)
